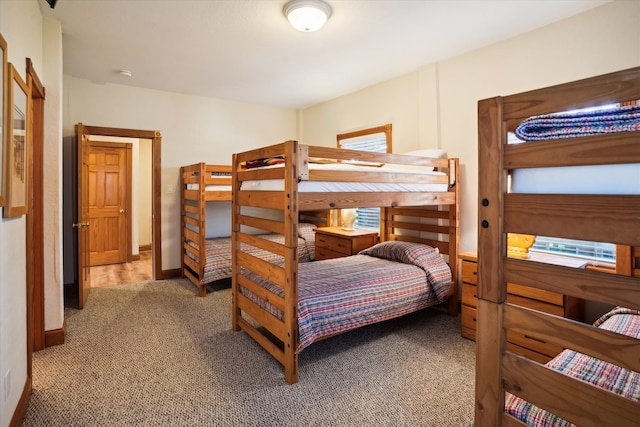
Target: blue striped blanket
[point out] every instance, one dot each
(579, 123)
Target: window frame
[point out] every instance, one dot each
(359, 134)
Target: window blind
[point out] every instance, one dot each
(367, 217)
(595, 252)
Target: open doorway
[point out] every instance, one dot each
(143, 252)
(120, 211)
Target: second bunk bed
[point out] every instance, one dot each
(578, 178)
(207, 259)
(285, 308)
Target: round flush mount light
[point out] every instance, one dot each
(307, 15)
(126, 73)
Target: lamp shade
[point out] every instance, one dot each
(307, 15)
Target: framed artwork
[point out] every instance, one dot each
(3, 110)
(17, 145)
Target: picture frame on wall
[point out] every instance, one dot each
(3, 110)
(16, 145)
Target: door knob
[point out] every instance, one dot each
(122, 211)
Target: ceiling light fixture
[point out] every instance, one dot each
(307, 15)
(126, 73)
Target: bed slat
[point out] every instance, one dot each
(558, 394)
(600, 90)
(270, 347)
(261, 199)
(258, 242)
(262, 224)
(358, 176)
(605, 345)
(585, 284)
(605, 149)
(315, 201)
(261, 292)
(269, 271)
(266, 319)
(608, 219)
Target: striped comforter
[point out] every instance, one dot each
(579, 123)
(341, 294)
(602, 374)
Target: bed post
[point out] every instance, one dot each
(235, 228)
(491, 341)
(454, 234)
(290, 209)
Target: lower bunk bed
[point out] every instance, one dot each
(286, 308)
(594, 380)
(205, 259)
(607, 376)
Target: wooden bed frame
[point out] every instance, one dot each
(193, 215)
(398, 222)
(193, 226)
(605, 218)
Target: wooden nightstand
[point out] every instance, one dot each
(334, 242)
(537, 299)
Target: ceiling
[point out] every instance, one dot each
(245, 50)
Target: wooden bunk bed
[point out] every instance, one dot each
(267, 299)
(205, 260)
(583, 213)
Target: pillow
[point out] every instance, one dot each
(405, 252)
(434, 153)
(269, 161)
(428, 258)
(307, 231)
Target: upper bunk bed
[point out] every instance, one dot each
(513, 199)
(205, 259)
(275, 304)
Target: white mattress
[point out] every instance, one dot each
(600, 179)
(346, 187)
(212, 187)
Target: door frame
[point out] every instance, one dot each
(156, 151)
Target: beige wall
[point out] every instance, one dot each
(194, 129)
(436, 106)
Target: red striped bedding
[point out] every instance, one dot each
(597, 372)
(380, 283)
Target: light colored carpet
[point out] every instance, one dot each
(155, 354)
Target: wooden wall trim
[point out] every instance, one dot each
(170, 274)
(23, 404)
(156, 138)
(55, 336)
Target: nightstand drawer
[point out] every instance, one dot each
(324, 253)
(470, 272)
(337, 244)
(469, 317)
(469, 295)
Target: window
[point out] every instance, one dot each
(376, 139)
(597, 253)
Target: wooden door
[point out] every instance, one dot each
(109, 183)
(82, 226)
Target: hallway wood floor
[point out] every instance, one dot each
(120, 274)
